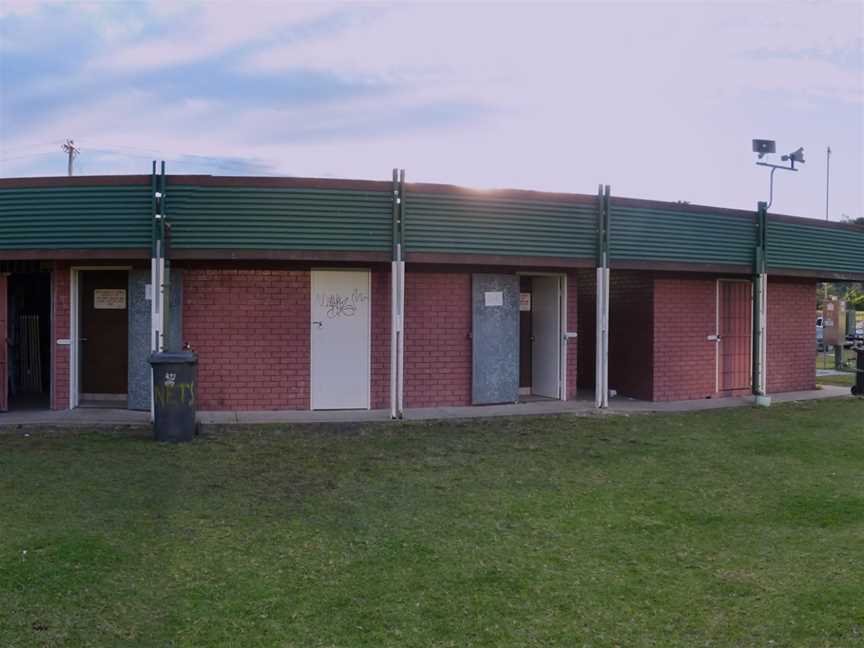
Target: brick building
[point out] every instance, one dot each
(328, 294)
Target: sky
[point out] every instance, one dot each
(658, 100)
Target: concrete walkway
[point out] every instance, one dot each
(831, 372)
(84, 417)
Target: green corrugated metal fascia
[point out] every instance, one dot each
(256, 218)
(649, 234)
(74, 218)
(439, 222)
(814, 247)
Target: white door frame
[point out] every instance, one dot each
(562, 326)
(717, 340)
(368, 394)
(74, 327)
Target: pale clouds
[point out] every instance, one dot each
(660, 100)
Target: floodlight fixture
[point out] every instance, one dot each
(763, 147)
(795, 156)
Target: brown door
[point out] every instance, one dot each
(104, 335)
(4, 372)
(736, 323)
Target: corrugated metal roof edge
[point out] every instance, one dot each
(386, 185)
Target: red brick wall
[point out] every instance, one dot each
(437, 346)
(380, 339)
(4, 372)
(438, 362)
(631, 333)
(572, 326)
(791, 335)
(60, 330)
(250, 329)
(586, 298)
(684, 359)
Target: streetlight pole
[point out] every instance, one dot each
(760, 267)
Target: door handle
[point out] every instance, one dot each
(318, 324)
(82, 339)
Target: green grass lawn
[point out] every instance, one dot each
(843, 380)
(740, 527)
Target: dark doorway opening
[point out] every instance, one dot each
(28, 335)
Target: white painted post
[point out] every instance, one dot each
(606, 337)
(598, 339)
(601, 371)
(394, 334)
(400, 347)
(763, 340)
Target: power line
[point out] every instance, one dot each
(26, 155)
(27, 147)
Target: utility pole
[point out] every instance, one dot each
(72, 152)
(827, 178)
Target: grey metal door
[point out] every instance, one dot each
(495, 336)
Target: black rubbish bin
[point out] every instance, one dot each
(175, 387)
(858, 387)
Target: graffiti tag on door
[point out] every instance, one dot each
(337, 305)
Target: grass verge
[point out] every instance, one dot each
(739, 527)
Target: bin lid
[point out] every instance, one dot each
(174, 357)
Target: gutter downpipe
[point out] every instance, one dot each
(155, 277)
(394, 311)
(401, 304)
(760, 307)
(601, 373)
(158, 270)
(397, 300)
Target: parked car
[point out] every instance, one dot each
(820, 334)
(856, 337)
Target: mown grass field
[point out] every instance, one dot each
(742, 527)
(841, 380)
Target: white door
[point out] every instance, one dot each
(340, 333)
(546, 330)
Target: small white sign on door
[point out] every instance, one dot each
(494, 298)
(525, 301)
(109, 298)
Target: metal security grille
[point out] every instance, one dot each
(736, 321)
